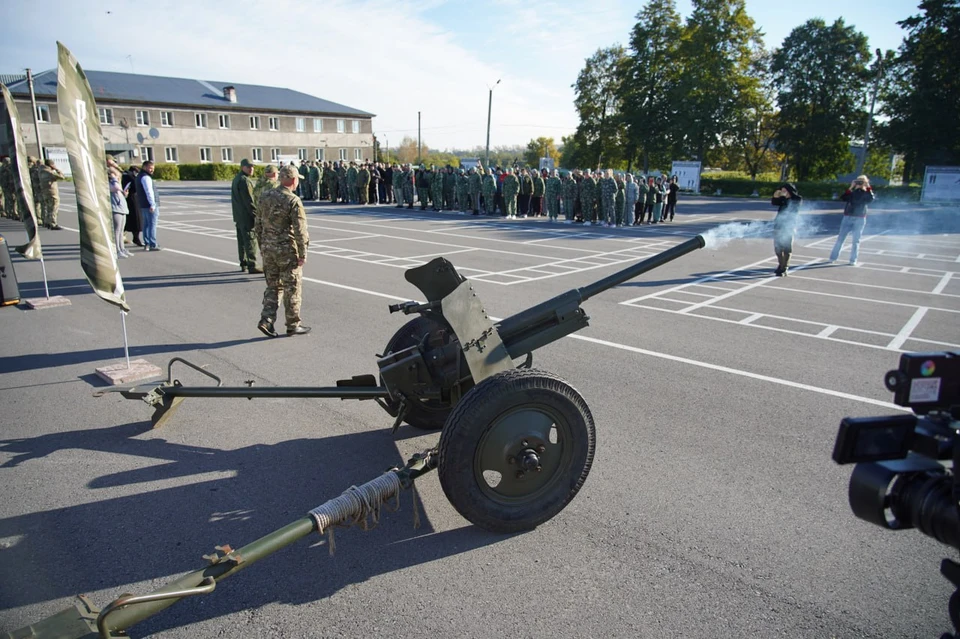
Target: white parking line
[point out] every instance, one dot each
(938, 289)
(742, 289)
(709, 278)
(908, 328)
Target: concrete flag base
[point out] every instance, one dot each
(139, 370)
(40, 303)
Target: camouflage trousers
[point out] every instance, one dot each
(363, 190)
(436, 194)
(332, 190)
(568, 208)
(510, 201)
(489, 200)
(588, 207)
(553, 207)
(284, 283)
(49, 206)
(424, 195)
(407, 194)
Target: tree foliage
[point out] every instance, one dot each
(922, 97)
(598, 139)
(821, 75)
(719, 45)
(750, 144)
(649, 94)
(541, 147)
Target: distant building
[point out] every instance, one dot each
(182, 121)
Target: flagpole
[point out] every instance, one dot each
(46, 289)
(126, 348)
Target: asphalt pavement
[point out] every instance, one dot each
(712, 508)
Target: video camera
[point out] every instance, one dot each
(905, 474)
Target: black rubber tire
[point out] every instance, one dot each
(475, 415)
(426, 414)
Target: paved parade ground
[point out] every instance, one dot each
(713, 508)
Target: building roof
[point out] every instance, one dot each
(10, 78)
(153, 89)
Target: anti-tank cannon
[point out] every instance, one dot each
(516, 443)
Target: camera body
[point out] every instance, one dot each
(905, 473)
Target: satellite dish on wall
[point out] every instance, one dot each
(140, 138)
(154, 133)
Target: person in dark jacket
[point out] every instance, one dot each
(788, 202)
(128, 181)
(857, 197)
(673, 188)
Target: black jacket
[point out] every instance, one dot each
(857, 201)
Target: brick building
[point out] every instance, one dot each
(183, 121)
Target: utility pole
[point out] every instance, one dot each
(486, 159)
(36, 120)
(873, 101)
(419, 159)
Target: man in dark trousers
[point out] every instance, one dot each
(244, 214)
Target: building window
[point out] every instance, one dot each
(257, 154)
(343, 154)
(205, 154)
(317, 125)
(226, 154)
(201, 120)
(356, 126)
(106, 115)
(274, 124)
(146, 154)
(356, 154)
(143, 118)
(274, 155)
(319, 154)
(43, 113)
(254, 123)
(170, 153)
(301, 124)
(224, 121)
(302, 153)
(340, 127)
(166, 118)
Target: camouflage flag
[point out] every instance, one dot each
(24, 191)
(84, 140)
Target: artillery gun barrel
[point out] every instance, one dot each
(548, 321)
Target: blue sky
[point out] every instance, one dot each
(390, 57)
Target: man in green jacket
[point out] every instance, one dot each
(244, 216)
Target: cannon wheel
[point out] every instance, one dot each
(428, 414)
(516, 449)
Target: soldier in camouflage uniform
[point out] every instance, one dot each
(436, 189)
(303, 191)
(488, 188)
(407, 187)
(536, 199)
(630, 193)
(398, 185)
(552, 195)
(473, 189)
(282, 223)
(422, 178)
(33, 166)
(352, 175)
(462, 190)
(588, 195)
(618, 200)
(244, 208)
(568, 190)
(314, 175)
(511, 186)
(449, 188)
(49, 175)
(608, 192)
(343, 193)
(8, 183)
(363, 184)
(266, 182)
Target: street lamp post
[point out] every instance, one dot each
(873, 101)
(486, 159)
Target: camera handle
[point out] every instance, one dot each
(951, 570)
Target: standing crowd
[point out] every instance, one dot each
(588, 197)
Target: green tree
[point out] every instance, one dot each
(749, 144)
(598, 95)
(541, 148)
(648, 93)
(922, 98)
(821, 76)
(719, 46)
(407, 151)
